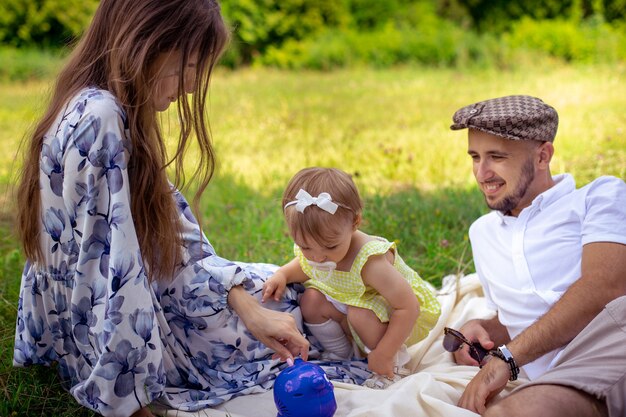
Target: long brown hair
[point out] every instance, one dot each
(117, 53)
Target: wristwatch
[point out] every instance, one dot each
(505, 354)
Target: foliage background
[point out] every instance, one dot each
(326, 34)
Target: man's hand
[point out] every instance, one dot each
(474, 331)
(487, 383)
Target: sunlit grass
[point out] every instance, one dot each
(391, 127)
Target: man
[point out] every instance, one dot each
(550, 258)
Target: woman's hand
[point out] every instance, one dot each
(279, 332)
(275, 329)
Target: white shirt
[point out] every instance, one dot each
(526, 263)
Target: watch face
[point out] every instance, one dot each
(505, 353)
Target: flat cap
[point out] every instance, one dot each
(511, 117)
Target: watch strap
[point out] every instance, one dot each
(505, 354)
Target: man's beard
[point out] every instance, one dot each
(510, 201)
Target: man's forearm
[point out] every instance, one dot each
(604, 279)
(559, 325)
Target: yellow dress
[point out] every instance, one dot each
(348, 288)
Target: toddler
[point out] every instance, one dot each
(360, 295)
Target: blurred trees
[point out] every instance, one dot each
(490, 15)
(327, 33)
(258, 24)
(44, 23)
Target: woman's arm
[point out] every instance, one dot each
(276, 330)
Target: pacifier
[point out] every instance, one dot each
(322, 270)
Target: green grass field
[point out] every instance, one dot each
(389, 128)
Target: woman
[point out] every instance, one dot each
(121, 288)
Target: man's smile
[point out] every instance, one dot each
(490, 188)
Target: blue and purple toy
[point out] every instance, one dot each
(303, 390)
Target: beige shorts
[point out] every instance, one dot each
(595, 361)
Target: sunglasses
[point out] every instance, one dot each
(453, 340)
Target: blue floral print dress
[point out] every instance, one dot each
(119, 341)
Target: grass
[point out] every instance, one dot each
(28, 63)
(389, 128)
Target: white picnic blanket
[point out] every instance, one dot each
(432, 390)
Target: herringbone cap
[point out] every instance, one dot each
(511, 117)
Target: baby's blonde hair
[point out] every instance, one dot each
(314, 222)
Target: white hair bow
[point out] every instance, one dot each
(304, 200)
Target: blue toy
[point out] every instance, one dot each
(303, 390)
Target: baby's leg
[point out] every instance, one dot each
(367, 326)
(316, 308)
(326, 323)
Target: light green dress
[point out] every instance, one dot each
(348, 287)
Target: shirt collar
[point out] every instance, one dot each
(563, 184)
(505, 219)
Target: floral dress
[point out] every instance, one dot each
(121, 343)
